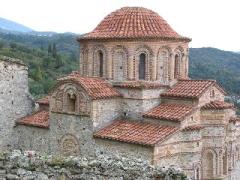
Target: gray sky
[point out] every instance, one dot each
(214, 23)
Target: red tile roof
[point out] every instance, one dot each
(218, 105)
(192, 128)
(38, 119)
(135, 132)
(140, 85)
(190, 88)
(133, 22)
(234, 119)
(43, 101)
(95, 87)
(171, 112)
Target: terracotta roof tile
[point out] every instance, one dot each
(95, 87)
(43, 101)
(135, 132)
(190, 88)
(38, 119)
(192, 128)
(234, 119)
(133, 22)
(172, 112)
(217, 105)
(140, 85)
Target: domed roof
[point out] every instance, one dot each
(133, 22)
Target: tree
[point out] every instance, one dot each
(49, 49)
(38, 74)
(59, 61)
(54, 51)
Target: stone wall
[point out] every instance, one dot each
(104, 111)
(126, 149)
(29, 165)
(15, 100)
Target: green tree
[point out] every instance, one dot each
(54, 51)
(49, 49)
(38, 76)
(59, 61)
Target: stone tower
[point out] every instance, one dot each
(15, 100)
(132, 44)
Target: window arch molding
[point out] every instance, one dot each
(163, 63)
(97, 66)
(70, 100)
(143, 49)
(179, 62)
(84, 61)
(125, 61)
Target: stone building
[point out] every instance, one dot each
(15, 100)
(132, 96)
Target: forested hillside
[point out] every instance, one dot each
(50, 55)
(211, 63)
(47, 57)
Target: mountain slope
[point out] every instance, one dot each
(8, 25)
(211, 63)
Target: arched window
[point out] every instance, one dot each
(100, 58)
(176, 66)
(142, 66)
(212, 93)
(71, 102)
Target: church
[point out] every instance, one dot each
(132, 96)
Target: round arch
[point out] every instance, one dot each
(143, 57)
(99, 61)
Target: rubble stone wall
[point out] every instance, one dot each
(15, 100)
(29, 165)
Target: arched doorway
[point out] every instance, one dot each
(142, 66)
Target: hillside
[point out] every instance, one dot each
(50, 55)
(47, 57)
(211, 63)
(8, 25)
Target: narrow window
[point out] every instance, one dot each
(100, 56)
(176, 66)
(142, 66)
(71, 100)
(212, 94)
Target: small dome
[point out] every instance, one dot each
(133, 22)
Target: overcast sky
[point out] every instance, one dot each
(214, 23)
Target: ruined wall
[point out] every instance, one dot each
(31, 165)
(15, 100)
